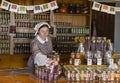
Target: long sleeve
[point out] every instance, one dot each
(38, 48)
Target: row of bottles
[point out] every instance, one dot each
(64, 38)
(73, 8)
(73, 30)
(86, 74)
(4, 50)
(4, 44)
(22, 48)
(50, 73)
(4, 18)
(62, 24)
(25, 24)
(64, 47)
(35, 16)
(4, 47)
(65, 44)
(4, 37)
(24, 35)
(22, 16)
(42, 17)
(71, 21)
(4, 29)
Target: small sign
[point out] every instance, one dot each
(76, 62)
(99, 61)
(111, 61)
(89, 61)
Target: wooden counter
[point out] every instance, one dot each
(23, 76)
(32, 79)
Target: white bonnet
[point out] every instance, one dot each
(37, 26)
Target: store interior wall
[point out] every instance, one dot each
(117, 25)
(117, 30)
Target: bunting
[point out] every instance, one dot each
(105, 8)
(23, 9)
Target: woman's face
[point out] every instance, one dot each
(43, 32)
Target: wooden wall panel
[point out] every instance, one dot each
(71, 1)
(29, 2)
(37, 2)
(105, 23)
(14, 1)
(22, 2)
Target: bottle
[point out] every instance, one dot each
(63, 8)
(99, 58)
(78, 9)
(89, 58)
(71, 8)
(114, 55)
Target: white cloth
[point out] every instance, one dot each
(40, 59)
(37, 26)
(42, 41)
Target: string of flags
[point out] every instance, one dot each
(23, 9)
(105, 8)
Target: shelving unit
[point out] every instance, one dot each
(4, 38)
(25, 30)
(70, 25)
(15, 49)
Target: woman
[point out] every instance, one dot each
(41, 46)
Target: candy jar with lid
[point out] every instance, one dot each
(77, 76)
(104, 76)
(82, 75)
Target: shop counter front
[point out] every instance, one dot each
(32, 79)
(26, 76)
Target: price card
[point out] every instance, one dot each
(99, 61)
(111, 61)
(89, 61)
(76, 61)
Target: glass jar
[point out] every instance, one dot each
(63, 8)
(78, 8)
(71, 8)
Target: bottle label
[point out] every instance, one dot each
(76, 61)
(99, 61)
(89, 61)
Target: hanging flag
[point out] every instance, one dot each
(22, 9)
(117, 9)
(111, 10)
(37, 9)
(30, 7)
(96, 6)
(13, 7)
(45, 7)
(5, 5)
(53, 5)
(105, 8)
